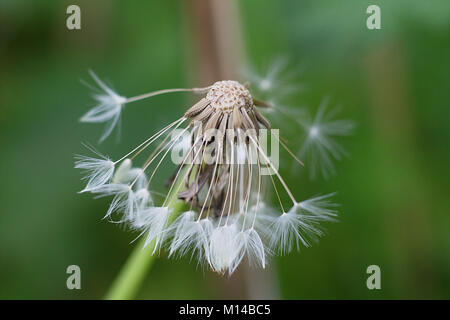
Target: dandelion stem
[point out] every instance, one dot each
(130, 278)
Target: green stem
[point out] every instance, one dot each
(132, 274)
(130, 278)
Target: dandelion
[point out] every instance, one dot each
(320, 147)
(278, 80)
(220, 177)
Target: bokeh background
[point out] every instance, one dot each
(393, 188)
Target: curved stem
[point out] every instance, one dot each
(130, 278)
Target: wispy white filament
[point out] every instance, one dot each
(108, 108)
(250, 244)
(320, 207)
(286, 231)
(320, 148)
(275, 82)
(121, 196)
(98, 172)
(154, 221)
(224, 248)
(191, 235)
(301, 223)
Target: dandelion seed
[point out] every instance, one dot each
(191, 234)
(108, 108)
(125, 173)
(278, 81)
(320, 206)
(154, 221)
(121, 197)
(224, 248)
(139, 202)
(289, 229)
(252, 246)
(313, 131)
(110, 105)
(320, 148)
(98, 171)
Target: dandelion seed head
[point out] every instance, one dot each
(228, 95)
(227, 216)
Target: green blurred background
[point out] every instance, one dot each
(393, 189)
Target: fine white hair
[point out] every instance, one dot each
(108, 108)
